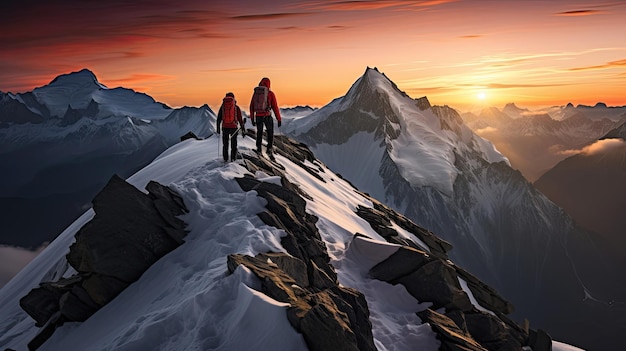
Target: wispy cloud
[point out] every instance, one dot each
(611, 64)
(577, 13)
(268, 16)
(368, 5)
(599, 147)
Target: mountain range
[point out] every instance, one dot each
(535, 141)
(61, 142)
(421, 160)
(424, 162)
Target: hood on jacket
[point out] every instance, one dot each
(265, 82)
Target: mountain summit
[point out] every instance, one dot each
(424, 162)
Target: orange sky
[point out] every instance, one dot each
(533, 52)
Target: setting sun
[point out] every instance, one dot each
(481, 96)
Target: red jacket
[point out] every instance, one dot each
(272, 100)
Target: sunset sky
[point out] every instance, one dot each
(462, 53)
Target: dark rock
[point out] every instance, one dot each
(76, 305)
(436, 282)
(539, 340)
(41, 304)
(450, 335)
(189, 135)
(130, 231)
(324, 327)
(402, 262)
(485, 295)
(293, 266)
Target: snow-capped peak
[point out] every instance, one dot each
(375, 113)
(79, 78)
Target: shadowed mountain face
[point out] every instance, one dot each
(63, 141)
(591, 187)
(426, 163)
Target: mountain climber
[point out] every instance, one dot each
(261, 106)
(229, 118)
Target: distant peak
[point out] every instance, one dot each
(84, 75)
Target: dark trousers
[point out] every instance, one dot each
(229, 133)
(268, 121)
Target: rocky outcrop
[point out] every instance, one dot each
(333, 317)
(130, 231)
(428, 275)
(329, 316)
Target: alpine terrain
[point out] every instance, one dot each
(424, 162)
(535, 141)
(191, 253)
(590, 186)
(60, 143)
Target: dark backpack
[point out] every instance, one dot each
(259, 99)
(228, 110)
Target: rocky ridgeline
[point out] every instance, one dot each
(334, 317)
(130, 231)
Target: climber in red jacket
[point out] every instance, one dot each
(261, 106)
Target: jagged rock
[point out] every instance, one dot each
(380, 218)
(130, 231)
(124, 217)
(402, 262)
(450, 335)
(327, 315)
(486, 296)
(189, 135)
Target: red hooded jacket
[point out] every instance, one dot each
(271, 97)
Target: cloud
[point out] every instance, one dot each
(486, 130)
(13, 259)
(369, 5)
(611, 64)
(577, 13)
(599, 147)
(268, 16)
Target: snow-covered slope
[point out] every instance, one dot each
(426, 163)
(187, 301)
(61, 143)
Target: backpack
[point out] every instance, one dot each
(228, 110)
(259, 99)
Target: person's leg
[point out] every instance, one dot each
(259, 133)
(269, 125)
(225, 143)
(233, 145)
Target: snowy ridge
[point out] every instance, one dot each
(186, 301)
